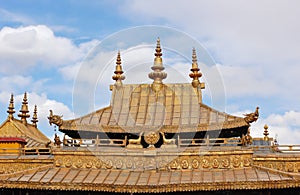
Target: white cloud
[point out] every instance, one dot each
(257, 36)
(254, 28)
(29, 46)
(247, 81)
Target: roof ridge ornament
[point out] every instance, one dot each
(195, 75)
(118, 77)
(252, 117)
(157, 75)
(24, 110)
(34, 117)
(11, 107)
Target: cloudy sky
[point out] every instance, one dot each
(254, 46)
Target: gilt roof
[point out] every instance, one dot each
(147, 181)
(15, 128)
(136, 107)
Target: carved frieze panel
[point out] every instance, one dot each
(161, 162)
(287, 166)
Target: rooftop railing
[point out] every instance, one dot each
(25, 151)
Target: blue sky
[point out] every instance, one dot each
(255, 46)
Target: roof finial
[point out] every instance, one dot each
(118, 77)
(158, 54)
(266, 133)
(195, 75)
(157, 75)
(34, 117)
(11, 108)
(24, 110)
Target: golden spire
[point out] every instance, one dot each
(195, 75)
(118, 77)
(157, 75)
(34, 117)
(266, 133)
(11, 108)
(24, 110)
(158, 54)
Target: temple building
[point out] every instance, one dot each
(152, 138)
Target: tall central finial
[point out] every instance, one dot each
(158, 54)
(24, 110)
(195, 75)
(118, 77)
(11, 108)
(157, 75)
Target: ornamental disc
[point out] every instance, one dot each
(151, 138)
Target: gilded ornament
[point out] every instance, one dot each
(252, 117)
(174, 164)
(151, 163)
(184, 164)
(55, 119)
(109, 164)
(151, 138)
(89, 164)
(215, 163)
(290, 167)
(129, 163)
(98, 164)
(225, 163)
(135, 143)
(236, 161)
(119, 164)
(280, 166)
(168, 142)
(205, 162)
(270, 165)
(139, 163)
(246, 162)
(195, 164)
(79, 163)
(67, 162)
(58, 162)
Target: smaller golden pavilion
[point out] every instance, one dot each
(152, 138)
(20, 137)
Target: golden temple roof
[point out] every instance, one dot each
(149, 181)
(16, 128)
(136, 107)
(169, 108)
(13, 127)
